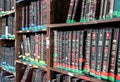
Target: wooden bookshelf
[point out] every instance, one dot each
(7, 41)
(19, 38)
(56, 18)
(77, 26)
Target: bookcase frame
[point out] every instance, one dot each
(55, 20)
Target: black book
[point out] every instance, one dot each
(107, 53)
(75, 80)
(81, 44)
(100, 54)
(87, 51)
(118, 62)
(59, 77)
(113, 58)
(94, 50)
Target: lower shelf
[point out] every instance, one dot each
(28, 63)
(88, 78)
(9, 69)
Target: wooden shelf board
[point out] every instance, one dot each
(7, 13)
(84, 23)
(42, 68)
(78, 76)
(7, 39)
(23, 32)
(14, 73)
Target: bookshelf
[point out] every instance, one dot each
(56, 15)
(7, 40)
(35, 32)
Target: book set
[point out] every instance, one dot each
(34, 16)
(91, 10)
(91, 51)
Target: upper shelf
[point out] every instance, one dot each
(31, 31)
(84, 23)
(5, 13)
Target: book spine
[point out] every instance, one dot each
(23, 16)
(67, 49)
(107, 49)
(30, 16)
(55, 55)
(59, 77)
(35, 10)
(70, 11)
(111, 8)
(82, 10)
(60, 54)
(88, 8)
(42, 36)
(70, 51)
(73, 50)
(94, 51)
(81, 53)
(101, 38)
(64, 50)
(28, 45)
(94, 5)
(27, 17)
(77, 10)
(87, 51)
(32, 45)
(43, 12)
(38, 12)
(105, 9)
(36, 38)
(28, 68)
(118, 62)
(113, 58)
(101, 9)
(77, 52)
(45, 51)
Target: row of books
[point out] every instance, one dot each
(34, 46)
(91, 51)
(90, 10)
(8, 55)
(7, 27)
(39, 76)
(34, 75)
(6, 77)
(6, 5)
(34, 15)
(66, 78)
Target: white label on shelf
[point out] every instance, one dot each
(20, 31)
(70, 74)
